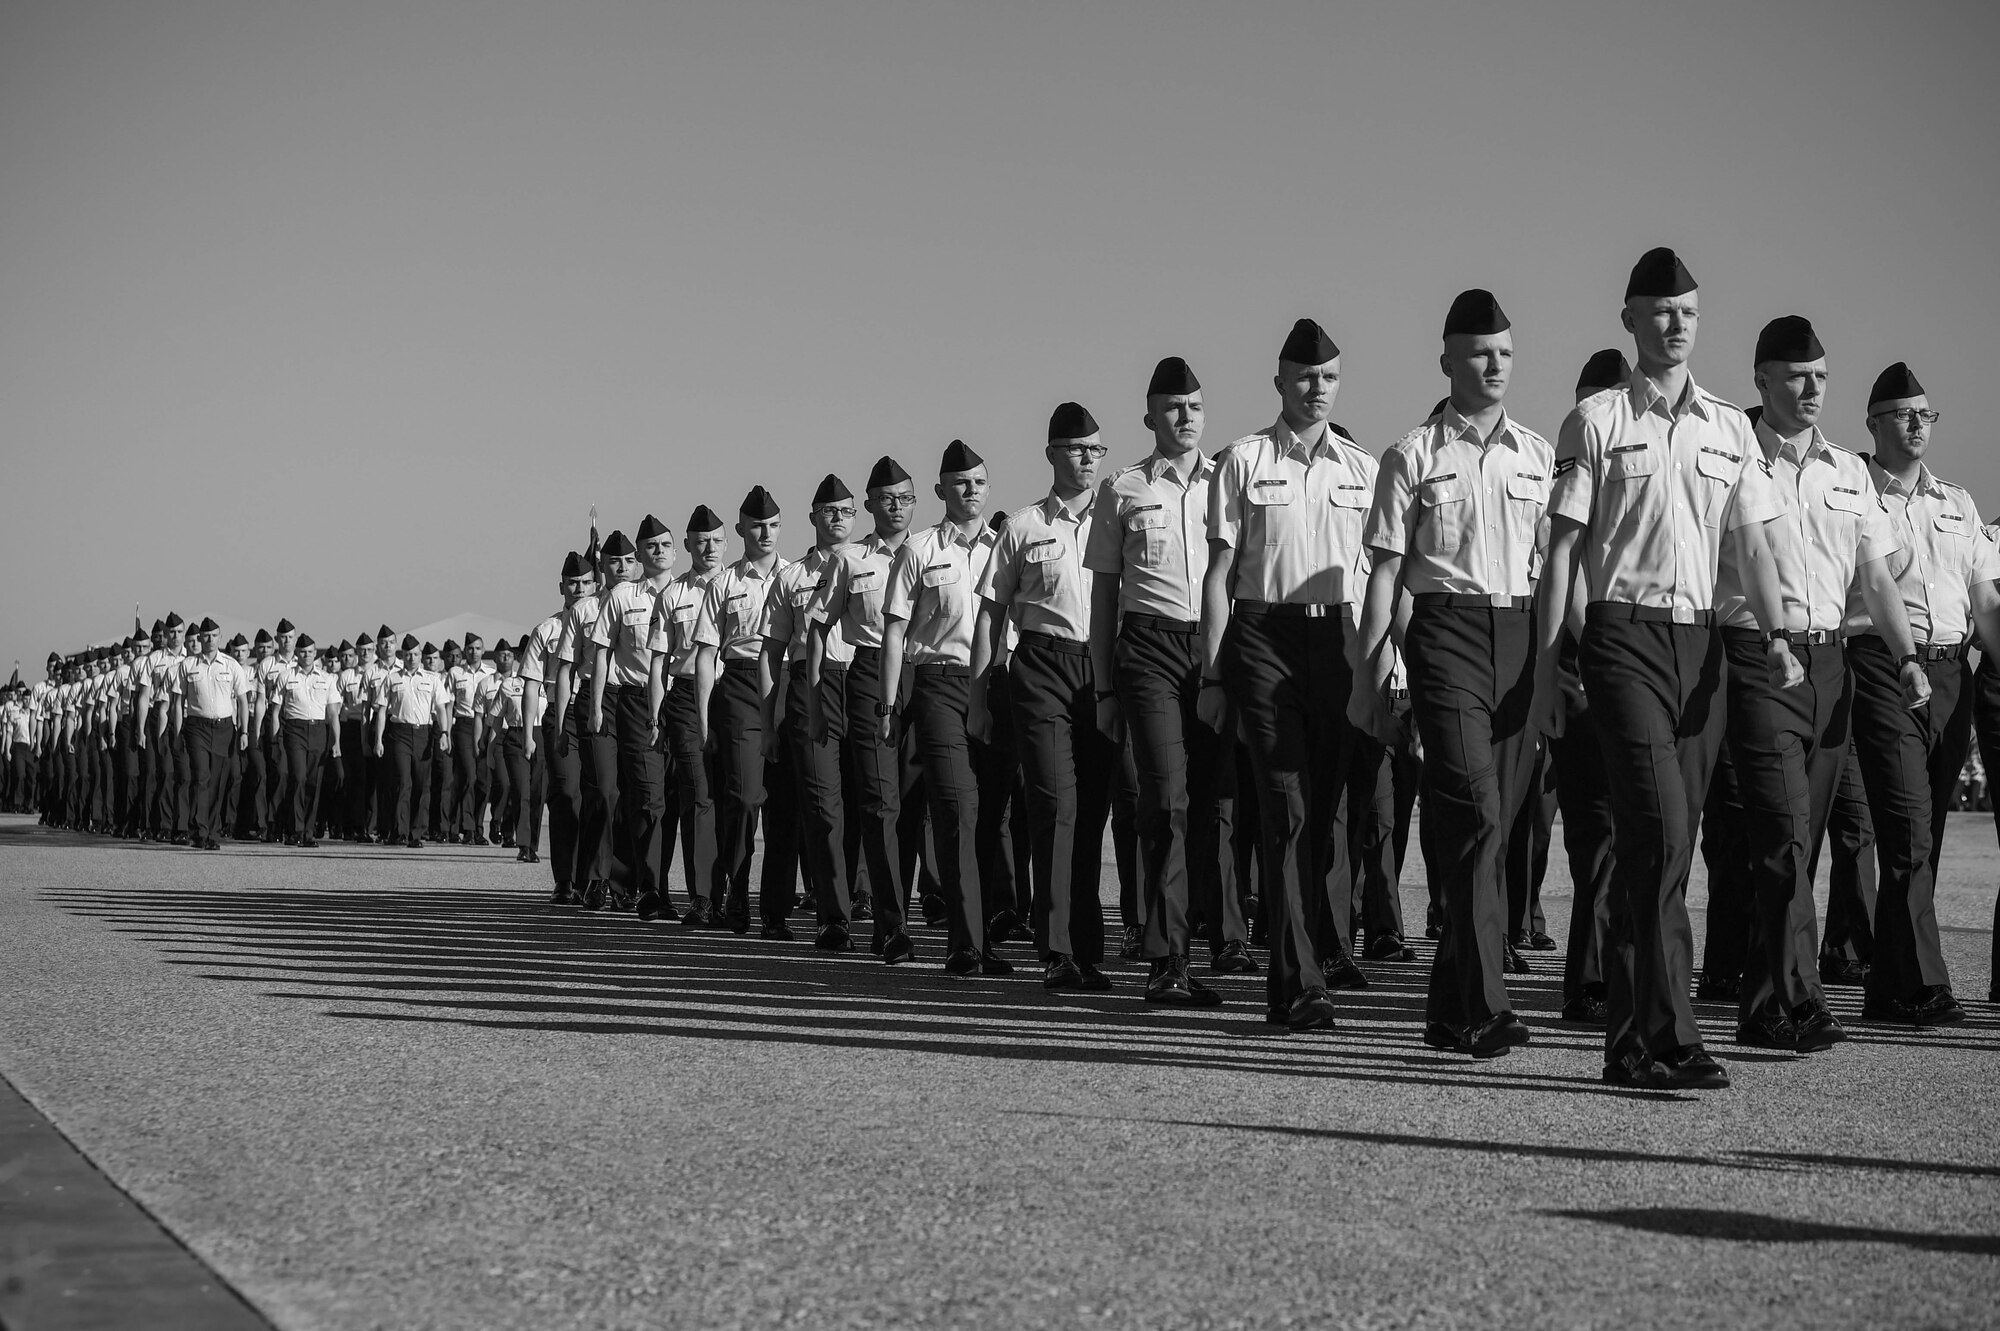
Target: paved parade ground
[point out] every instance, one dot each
(364, 1088)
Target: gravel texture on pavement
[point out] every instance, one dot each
(392, 1089)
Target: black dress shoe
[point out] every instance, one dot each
(778, 931)
(1061, 973)
(1818, 1029)
(521, 856)
(834, 938)
(1540, 942)
(561, 896)
(898, 948)
(992, 963)
(1130, 944)
(1511, 960)
(1311, 1011)
(481, 841)
(308, 843)
(1939, 1008)
(700, 915)
(1585, 1010)
(1001, 927)
(1437, 1035)
(936, 913)
(1233, 959)
(1691, 1068)
(1768, 1032)
(1932, 1005)
(737, 917)
(415, 843)
(962, 962)
(1094, 980)
(650, 906)
(864, 910)
(1719, 988)
(1171, 985)
(595, 895)
(1636, 1072)
(1388, 947)
(531, 857)
(1344, 974)
(1499, 1034)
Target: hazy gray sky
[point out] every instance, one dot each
(349, 311)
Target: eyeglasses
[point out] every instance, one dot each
(1908, 416)
(1082, 451)
(833, 514)
(896, 501)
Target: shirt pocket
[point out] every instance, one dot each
(864, 595)
(1146, 536)
(741, 613)
(1528, 499)
(1844, 512)
(945, 583)
(1719, 472)
(1444, 514)
(1627, 479)
(1275, 501)
(1042, 567)
(1349, 501)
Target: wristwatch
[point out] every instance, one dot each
(1774, 635)
(1908, 658)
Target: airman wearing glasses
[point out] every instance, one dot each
(1037, 574)
(844, 698)
(1910, 758)
(814, 760)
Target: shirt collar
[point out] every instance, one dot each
(1053, 508)
(1926, 482)
(1457, 427)
(1290, 443)
(1645, 393)
(1816, 446)
(744, 568)
(947, 534)
(1158, 464)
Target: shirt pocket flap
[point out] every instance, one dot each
(1951, 522)
(1718, 466)
(1145, 519)
(684, 614)
(1638, 462)
(1269, 492)
(1847, 501)
(1042, 552)
(1527, 487)
(1449, 489)
(1350, 496)
(802, 598)
(940, 575)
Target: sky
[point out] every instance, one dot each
(348, 313)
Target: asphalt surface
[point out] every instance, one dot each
(391, 1089)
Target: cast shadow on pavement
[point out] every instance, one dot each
(1733, 1160)
(1746, 1227)
(500, 959)
(504, 960)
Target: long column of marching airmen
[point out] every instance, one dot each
(1677, 613)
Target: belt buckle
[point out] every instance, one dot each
(1500, 601)
(1683, 615)
(1314, 610)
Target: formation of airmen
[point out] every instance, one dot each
(1677, 614)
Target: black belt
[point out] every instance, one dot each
(1951, 651)
(1647, 614)
(1796, 637)
(867, 653)
(1163, 624)
(1473, 600)
(1067, 646)
(301, 720)
(735, 667)
(614, 690)
(1290, 610)
(944, 670)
